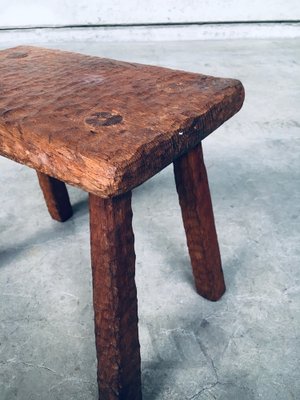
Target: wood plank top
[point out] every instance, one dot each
(104, 125)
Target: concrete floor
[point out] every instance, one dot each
(244, 347)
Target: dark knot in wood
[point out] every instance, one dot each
(17, 54)
(103, 119)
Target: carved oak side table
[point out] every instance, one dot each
(107, 126)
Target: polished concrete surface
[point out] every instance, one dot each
(244, 347)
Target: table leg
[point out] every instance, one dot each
(198, 218)
(115, 298)
(56, 197)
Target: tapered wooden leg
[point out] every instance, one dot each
(198, 218)
(56, 197)
(115, 298)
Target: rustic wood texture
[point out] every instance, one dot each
(115, 298)
(103, 125)
(198, 218)
(56, 197)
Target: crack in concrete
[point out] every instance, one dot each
(208, 358)
(211, 386)
(12, 361)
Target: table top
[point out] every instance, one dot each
(104, 125)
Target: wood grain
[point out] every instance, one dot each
(115, 298)
(104, 125)
(198, 218)
(56, 197)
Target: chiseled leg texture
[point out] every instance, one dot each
(198, 219)
(115, 298)
(56, 197)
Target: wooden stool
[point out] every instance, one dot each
(107, 126)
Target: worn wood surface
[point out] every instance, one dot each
(115, 298)
(104, 125)
(56, 197)
(198, 218)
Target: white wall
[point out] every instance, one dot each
(24, 13)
